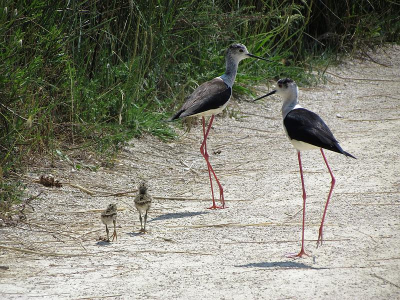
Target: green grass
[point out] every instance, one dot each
(10, 194)
(94, 74)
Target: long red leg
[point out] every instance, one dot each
(319, 241)
(302, 252)
(203, 150)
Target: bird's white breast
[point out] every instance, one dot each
(302, 145)
(213, 111)
(299, 145)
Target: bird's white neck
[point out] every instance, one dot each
(230, 71)
(290, 101)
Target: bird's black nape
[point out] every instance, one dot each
(236, 46)
(285, 81)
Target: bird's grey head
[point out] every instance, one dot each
(238, 52)
(142, 187)
(286, 88)
(112, 207)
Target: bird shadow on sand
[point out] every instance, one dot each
(178, 215)
(133, 234)
(279, 265)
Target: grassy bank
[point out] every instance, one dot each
(93, 74)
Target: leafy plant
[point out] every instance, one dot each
(96, 73)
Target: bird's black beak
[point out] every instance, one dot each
(266, 95)
(258, 57)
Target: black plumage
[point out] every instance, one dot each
(211, 95)
(303, 128)
(210, 99)
(306, 126)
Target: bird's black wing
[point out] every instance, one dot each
(210, 95)
(306, 126)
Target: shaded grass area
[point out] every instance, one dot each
(93, 74)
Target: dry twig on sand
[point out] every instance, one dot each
(40, 253)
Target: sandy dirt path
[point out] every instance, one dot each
(237, 253)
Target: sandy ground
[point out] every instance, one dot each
(191, 252)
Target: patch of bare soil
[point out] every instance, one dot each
(191, 252)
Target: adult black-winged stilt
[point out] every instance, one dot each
(306, 131)
(209, 99)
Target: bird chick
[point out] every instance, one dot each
(108, 217)
(143, 204)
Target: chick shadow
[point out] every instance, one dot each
(279, 265)
(134, 233)
(167, 217)
(178, 215)
(103, 243)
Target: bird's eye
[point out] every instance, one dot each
(241, 50)
(280, 85)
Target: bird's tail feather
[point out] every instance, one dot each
(348, 154)
(340, 150)
(176, 116)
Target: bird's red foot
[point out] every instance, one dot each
(300, 254)
(216, 207)
(319, 241)
(223, 205)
